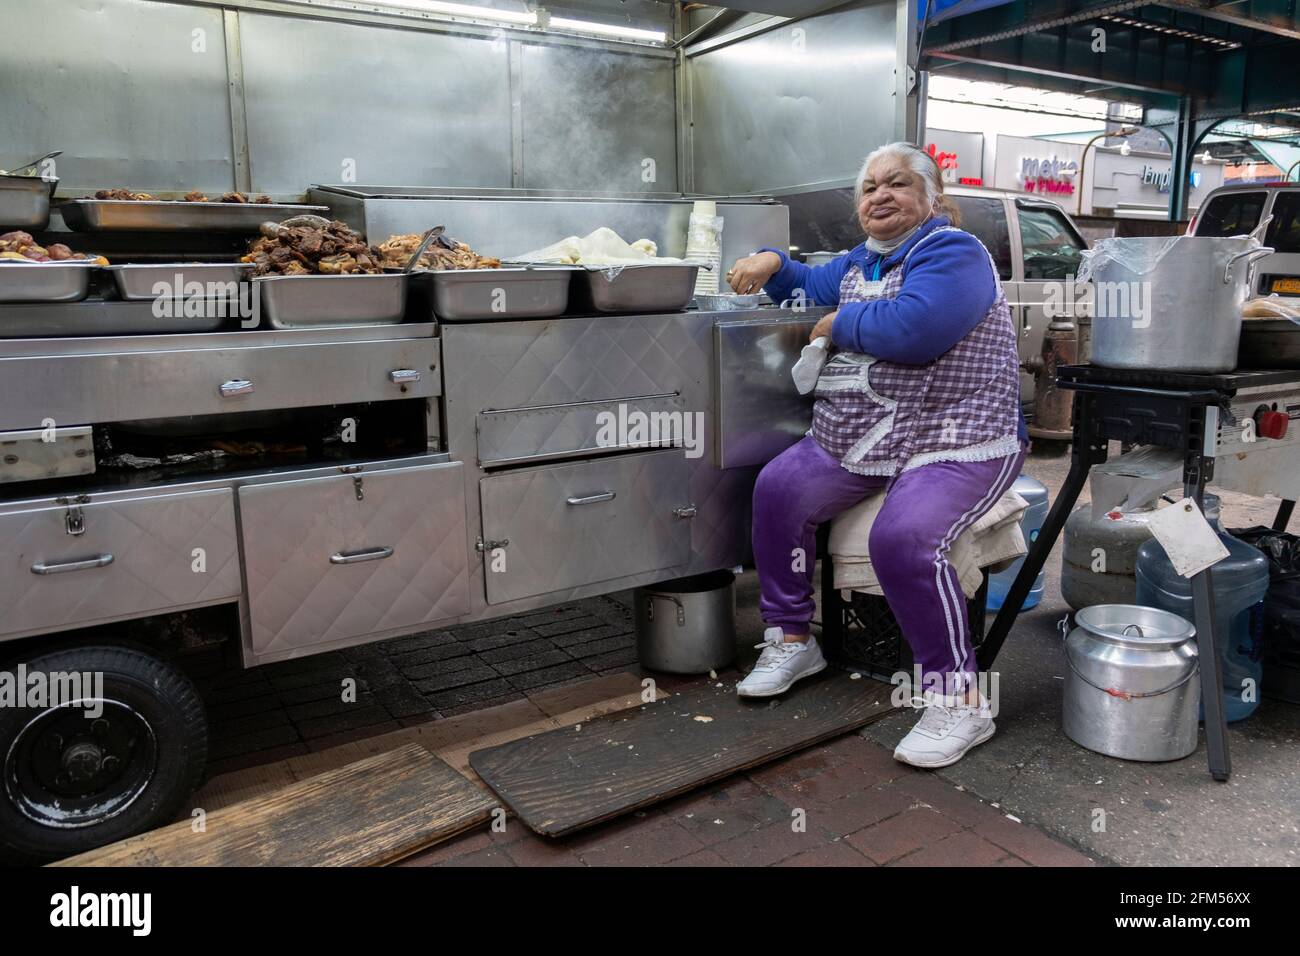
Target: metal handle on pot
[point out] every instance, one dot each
(1136, 627)
(1248, 254)
(650, 607)
(1126, 695)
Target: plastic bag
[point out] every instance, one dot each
(1272, 307)
(1139, 254)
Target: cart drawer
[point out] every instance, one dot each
(129, 386)
(331, 560)
(570, 525)
(133, 556)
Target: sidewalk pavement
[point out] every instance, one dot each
(842, 803)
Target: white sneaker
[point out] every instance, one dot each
(781, 664)
(948, 728)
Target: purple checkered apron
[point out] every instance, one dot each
(880, 418)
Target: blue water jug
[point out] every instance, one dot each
(1035, 492)
(1240, 583)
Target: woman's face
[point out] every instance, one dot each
(893, 199)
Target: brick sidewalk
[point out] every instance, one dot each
(283, 710)
(861, 808)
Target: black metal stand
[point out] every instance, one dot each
(1184, 414)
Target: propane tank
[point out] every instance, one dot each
(1052, 405)
(1100, 555)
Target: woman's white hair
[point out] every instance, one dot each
(917, 160)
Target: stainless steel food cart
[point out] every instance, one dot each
(476, 485)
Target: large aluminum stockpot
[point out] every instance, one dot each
(1131, 689)
(1172, 303)
(687, 626)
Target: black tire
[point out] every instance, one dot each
(69, 783)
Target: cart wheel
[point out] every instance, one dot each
(74, 779)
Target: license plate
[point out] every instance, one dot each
(1290, 286)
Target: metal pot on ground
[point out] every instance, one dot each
(687, 625)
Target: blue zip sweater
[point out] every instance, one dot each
(949, 288)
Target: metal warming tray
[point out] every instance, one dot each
(64, 281)
(308, 302)
(95, 317)
(1269, 343)
(636, 288)
(111, 215)
(723, 302)
(140, 282)
(25, 202)
(467, 295)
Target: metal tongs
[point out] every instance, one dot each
(429, 237)
(17, 170)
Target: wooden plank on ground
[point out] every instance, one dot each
(370, 812)
(567, 779)
(450, 738)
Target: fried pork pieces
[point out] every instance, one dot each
(396, 252)
(309, 250)
(193, 196)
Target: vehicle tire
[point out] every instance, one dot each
(71, 781)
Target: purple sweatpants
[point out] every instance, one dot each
(924, 512)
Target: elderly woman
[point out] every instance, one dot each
(921, 402)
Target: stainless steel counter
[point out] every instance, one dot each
(529, 504)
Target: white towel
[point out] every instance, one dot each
(810, 363)
(994, 541)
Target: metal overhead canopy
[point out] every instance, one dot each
(784, 8)
(1188, 63)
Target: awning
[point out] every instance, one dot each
(940, 10)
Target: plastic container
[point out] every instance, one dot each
(1035, 492)
(704, 243)
(1240, 583)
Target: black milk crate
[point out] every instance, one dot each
(862, 635)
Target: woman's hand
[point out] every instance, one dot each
(751, 273)
(823, 326)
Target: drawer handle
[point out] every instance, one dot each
(236, 386)
(81, 564)
(404, 376)
(365, 554)
(592, 499)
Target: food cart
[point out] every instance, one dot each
(337, 475)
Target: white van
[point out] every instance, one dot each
(1236, 210)
(1033, 242)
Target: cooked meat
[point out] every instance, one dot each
(303, 250)
(194, 195)
(21, 245)
(123, 194)
(451, 254)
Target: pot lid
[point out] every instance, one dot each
(1132, 625)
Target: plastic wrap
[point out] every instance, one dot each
(1272, 307)
(1140, 255)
